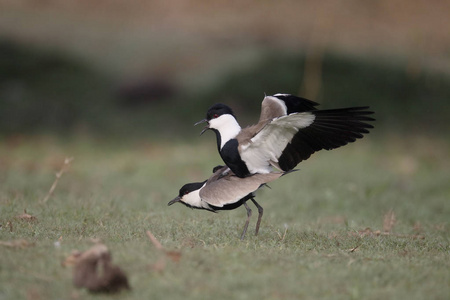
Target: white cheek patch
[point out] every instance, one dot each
(193, 198)
(227, 126)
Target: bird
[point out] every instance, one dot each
(289, 130)
(226, 191)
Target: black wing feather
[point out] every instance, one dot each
(296, 104)
(331, 129)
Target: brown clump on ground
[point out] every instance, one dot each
(93, 270)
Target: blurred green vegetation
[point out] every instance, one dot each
(42, 91)
(47, 91)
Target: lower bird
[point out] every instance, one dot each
(225, 191)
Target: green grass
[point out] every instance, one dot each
(115, 192)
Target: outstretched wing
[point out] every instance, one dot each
(230, 189)
(274, 107)
(269, 143)
(331, 129)
(280, 105)
(288, 140)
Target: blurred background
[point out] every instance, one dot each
(135, 69)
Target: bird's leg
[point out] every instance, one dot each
(260, 214)
(249, 214)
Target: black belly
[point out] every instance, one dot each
(232, 158)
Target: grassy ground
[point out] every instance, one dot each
(319, 236)
(322, 232)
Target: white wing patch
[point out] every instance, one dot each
(268, 144)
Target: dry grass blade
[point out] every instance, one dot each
(154, 241)
(174, 255)
(389, 221)
(58, 175)
(16, 244)
(160, 265)
(284, 234)
(354, 248)
(9, 225)
(26, 217)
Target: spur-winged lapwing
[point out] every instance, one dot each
(225, 191)
(289, 130)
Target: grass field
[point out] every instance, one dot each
(369, 221)
(321, 236)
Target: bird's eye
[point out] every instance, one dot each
(215, 116)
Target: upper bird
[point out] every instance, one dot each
(289, 130)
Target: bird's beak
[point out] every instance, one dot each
(177, 199)
(206, 127)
